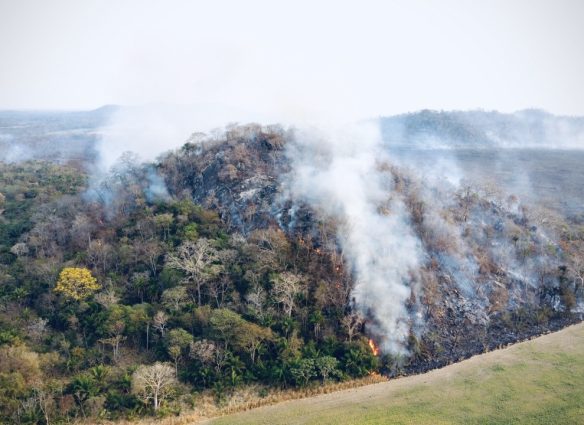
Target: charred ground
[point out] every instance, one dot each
(479, 239)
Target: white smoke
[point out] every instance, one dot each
(339, 174)
(12, 153)
(150, 130)
(144, 132)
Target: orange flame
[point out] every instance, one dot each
(374, 348)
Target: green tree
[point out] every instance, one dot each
(303, 371)
(178, 340)
(225, 325)
(251, 337)
(83, 387)
(358, 360)
(326, 366)
(175, 298)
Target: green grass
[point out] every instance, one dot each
(537, 382)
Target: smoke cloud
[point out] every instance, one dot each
(340, 174)
(142, 133)
(150, 130)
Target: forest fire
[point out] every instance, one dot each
(374, 348)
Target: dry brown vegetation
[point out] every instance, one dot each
(248, 398)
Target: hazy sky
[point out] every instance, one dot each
(294, 58)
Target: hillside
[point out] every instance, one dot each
(266, 257)
(535, 382)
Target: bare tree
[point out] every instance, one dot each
(154, 382)
(466, 197)
(43, 396)
(37, 329)
(107, 298)
(99, 254)
(116, 331)
(286, 287)
(271, 248)
(202, 350)
(20, 249)
(256, 303)
(208, 353)
(196, 260)
(577, 269)
(81, 231)
(159, 322)
(228, 173)
(352, 323)
(219, 288)
(149, 251)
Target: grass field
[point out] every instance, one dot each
(535, 382)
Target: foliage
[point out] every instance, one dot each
(76, 283)
(538, 382)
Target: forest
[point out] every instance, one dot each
(133, 294)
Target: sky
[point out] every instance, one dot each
(294, 58)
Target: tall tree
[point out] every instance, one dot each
(154, 382)
(197, 261)
(286, 287)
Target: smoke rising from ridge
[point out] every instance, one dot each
(151, 130)
(139, 134)
(338, 172)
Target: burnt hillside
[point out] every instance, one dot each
(494, 271)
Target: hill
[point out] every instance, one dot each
(261, 257)
(530, 128)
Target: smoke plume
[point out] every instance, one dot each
(340, 174)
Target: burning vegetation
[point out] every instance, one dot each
(239, 275)
(374, 348)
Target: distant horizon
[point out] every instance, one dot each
(416, 111)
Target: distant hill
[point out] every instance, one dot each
(480, 129)
(62, 136)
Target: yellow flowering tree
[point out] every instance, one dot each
(76, 283)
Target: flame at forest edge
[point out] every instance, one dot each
(374, 348)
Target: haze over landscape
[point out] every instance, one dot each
(210, 207)
(296, 59)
